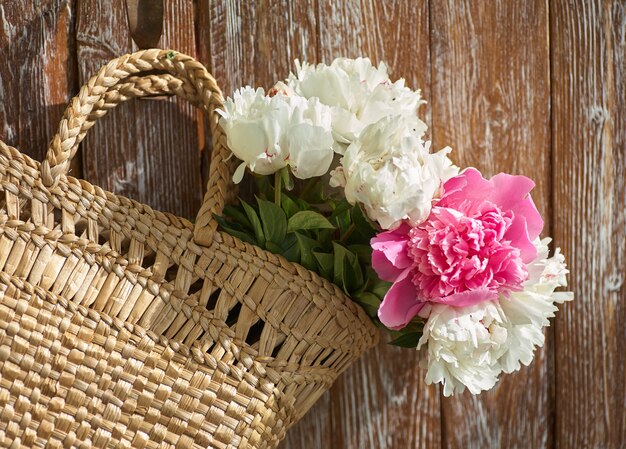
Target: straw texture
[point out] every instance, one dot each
(121, 326)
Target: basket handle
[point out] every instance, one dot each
(134, 75)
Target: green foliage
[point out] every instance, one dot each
(274, 222)
(409, 336)
(407, 340)
(307, 220)
(323, 233)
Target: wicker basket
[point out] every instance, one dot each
(121, 326)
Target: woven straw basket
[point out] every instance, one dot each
(121, 326)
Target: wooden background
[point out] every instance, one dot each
(530, 87)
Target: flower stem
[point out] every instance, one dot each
(278, 186)
(348, 233)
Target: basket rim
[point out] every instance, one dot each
(71, 241)
(166, 218)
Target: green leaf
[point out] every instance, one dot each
(353, 275)
(308, 219)
(362, 223)
(289, 205)
(292, 251)
(241, 235)
(274, 221)
(341, 216)
(314, 193)
(264, 187)
(302, 204)
(346, 269)
(306, 246)
(408, 340)
(273, 247)
(339, 207)
(325, 263)
(237, 215)
(369, 302)
(288, 242)
(286, 178)
(415, 326)
(338, 265)
(363, 252)
(343, 222)
(255, 222)
(379, 287)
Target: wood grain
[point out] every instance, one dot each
(382, 401)
(255, 43)
(38, 74)
(146, 150)
(491, 105)
(589, 169)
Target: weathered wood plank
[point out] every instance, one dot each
(255, 44)
(382, 401)
(147, 150)
(589, 170)
(38, 75)
(491, 104)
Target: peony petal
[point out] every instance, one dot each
(465, 188)
(508, 190)
(400, 304)
(467, 298)
(238, 175)
(513, 193)
(247, 139)
(395, 249)
(390, 256)
(518, 235)
(311, 150)
(384, 268)
(534, 222)
(469, 191)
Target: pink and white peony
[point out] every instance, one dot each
(473, 247)
(269, 133)
(470, 346)
(391, 171)
(358, 93)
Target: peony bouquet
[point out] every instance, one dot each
(451, 263)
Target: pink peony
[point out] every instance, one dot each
(474, 246)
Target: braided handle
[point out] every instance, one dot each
(124, 78)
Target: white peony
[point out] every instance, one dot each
(528, 310)
(359, 94)
(470, 346)
(390, 170)
(464, 345)
(271, 132)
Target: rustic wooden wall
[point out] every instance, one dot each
(531, 87)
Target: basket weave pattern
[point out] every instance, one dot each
(124, 326)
